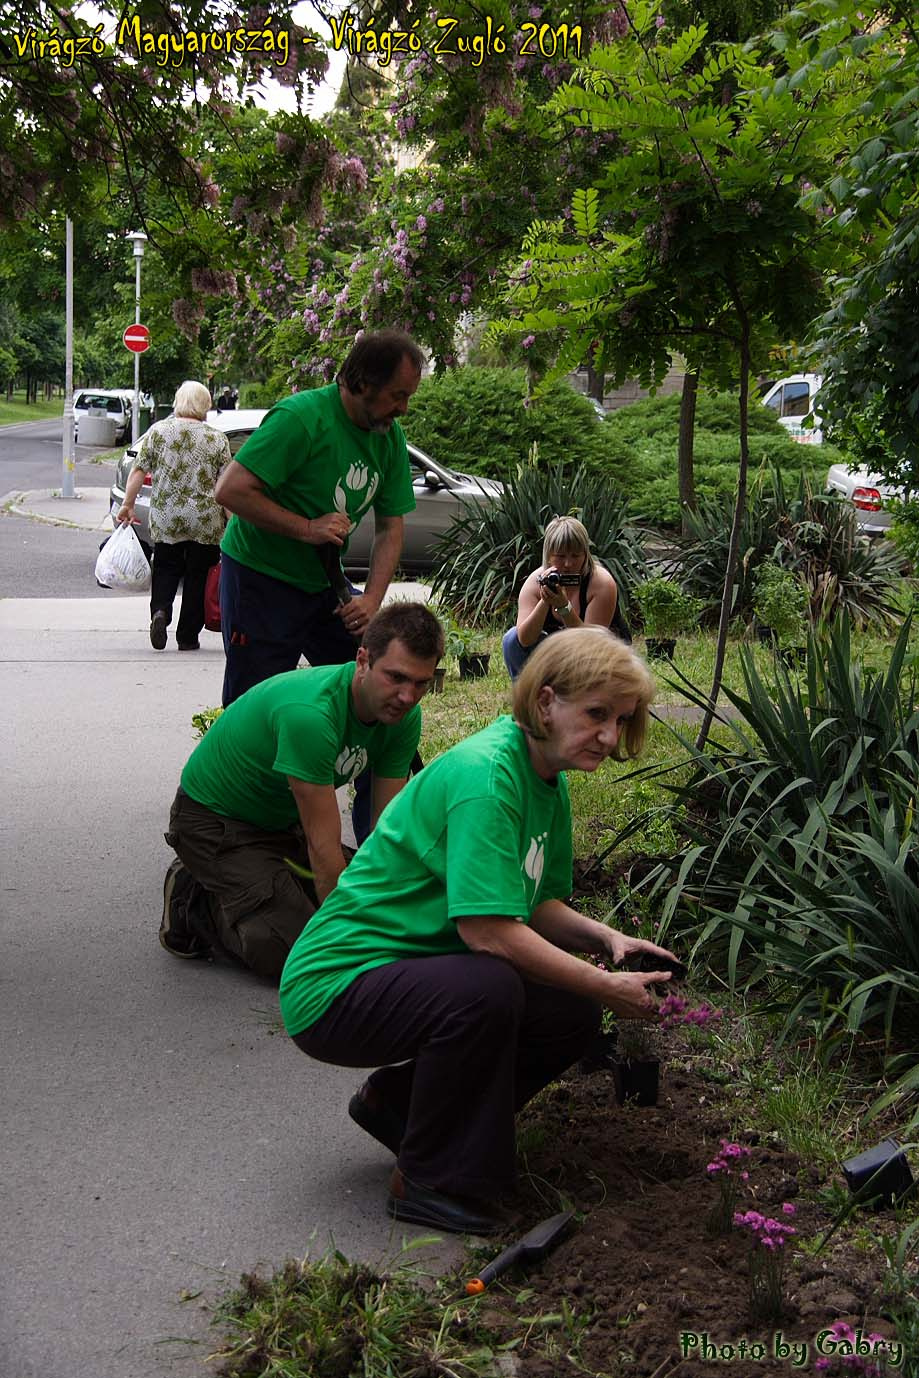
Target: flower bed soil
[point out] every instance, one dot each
(639, 1270)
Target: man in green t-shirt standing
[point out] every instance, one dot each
(269, 767)
(297, 488)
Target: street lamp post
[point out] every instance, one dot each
(139, 240)
(67, 478)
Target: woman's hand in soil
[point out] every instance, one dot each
(630, 994)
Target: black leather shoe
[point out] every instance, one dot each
(422, 1206)
(368, 1109)
(158, 630)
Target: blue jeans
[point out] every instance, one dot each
(515, 655)
(267, 625)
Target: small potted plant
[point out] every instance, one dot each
(466, 646)
(437, 687)
(781, 604)
(637, 1069)
(667, 610)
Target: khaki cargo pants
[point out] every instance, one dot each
(255, 906)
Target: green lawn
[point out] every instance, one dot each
(20, 410)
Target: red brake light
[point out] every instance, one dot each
(148, 479)
(867, 499)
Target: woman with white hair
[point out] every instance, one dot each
(569, 589)
(184, 457)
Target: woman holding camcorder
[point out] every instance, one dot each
(570, 589)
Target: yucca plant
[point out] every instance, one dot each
(801, 860)
(485, 555)
(814, 535)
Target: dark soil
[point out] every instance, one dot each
(639, 1268)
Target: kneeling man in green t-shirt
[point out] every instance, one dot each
(258, 792)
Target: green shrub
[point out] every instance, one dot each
(484, 556)
(781, 603)
(666, 608)
(260, 394)
(637, 447)
(475, 420)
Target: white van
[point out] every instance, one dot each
(792, 399)
(115, 403)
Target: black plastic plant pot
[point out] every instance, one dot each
(637, 1080)
(474, 666)
(794, 657)
(880, 1175)
(438, 686)
(661, 648)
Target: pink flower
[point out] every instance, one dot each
(788, 1208)
(527, 341)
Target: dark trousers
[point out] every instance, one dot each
(475, 1041)
(267, 625)
(187, 562)
(256, 907)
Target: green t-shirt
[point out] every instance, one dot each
(476, 832)
(312, 459)
(303, 724)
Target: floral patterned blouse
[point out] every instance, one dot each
(185, 458)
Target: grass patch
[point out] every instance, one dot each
(338, 1319)
(20, 410)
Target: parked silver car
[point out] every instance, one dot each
(439, 492)
(868, 493)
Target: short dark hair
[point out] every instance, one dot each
(411, 623)
(375, 358)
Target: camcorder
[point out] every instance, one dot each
(555, 581)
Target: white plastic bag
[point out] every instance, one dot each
(122, 564)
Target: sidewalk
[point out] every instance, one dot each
(88, 509)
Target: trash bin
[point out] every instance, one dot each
(144, 420)
(163, 409)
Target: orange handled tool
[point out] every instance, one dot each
(532, 1247)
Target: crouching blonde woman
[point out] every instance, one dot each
(570, 589)
(446, 952)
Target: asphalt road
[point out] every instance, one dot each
(31, 456)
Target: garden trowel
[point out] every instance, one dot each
(532, 1247)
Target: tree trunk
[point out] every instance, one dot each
(685, 472)
(596, 382)
(740, 504)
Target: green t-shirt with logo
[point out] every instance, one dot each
(312, 459)
(303, 724)
(476, 832)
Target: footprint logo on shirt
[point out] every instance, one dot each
(351, 761)
(536, 858)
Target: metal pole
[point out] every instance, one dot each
(67, 478)
(135, 408)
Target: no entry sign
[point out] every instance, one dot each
(136, 338)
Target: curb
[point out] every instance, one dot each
(11, 503)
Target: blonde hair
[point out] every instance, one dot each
(567, 536)
(578, 662)
(193, 400)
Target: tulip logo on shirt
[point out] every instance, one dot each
(358, 485)
(536, 859)
(352, 760)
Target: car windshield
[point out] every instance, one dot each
(93, 399)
